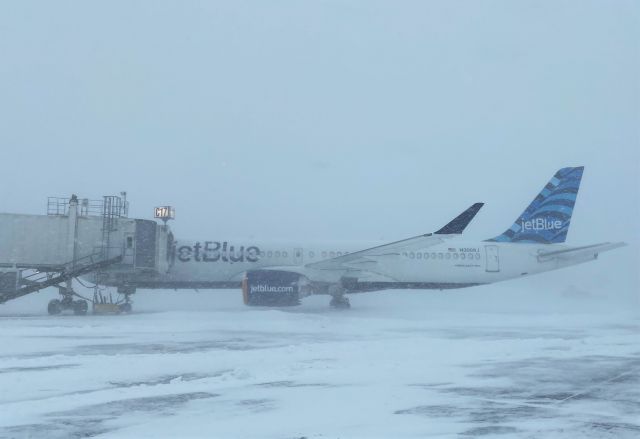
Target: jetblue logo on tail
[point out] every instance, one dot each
(547, 219)
(541, 224)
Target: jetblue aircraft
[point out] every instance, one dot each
(280, 275)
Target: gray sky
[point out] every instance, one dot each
(327, 120)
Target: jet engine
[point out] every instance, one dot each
(271, 288)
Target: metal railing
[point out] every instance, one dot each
(112, 206)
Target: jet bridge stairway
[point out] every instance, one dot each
(43, 279)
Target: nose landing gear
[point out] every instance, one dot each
(126, 306)
(127, 290)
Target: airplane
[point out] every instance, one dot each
(283, 274)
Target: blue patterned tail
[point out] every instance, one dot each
(547, 218)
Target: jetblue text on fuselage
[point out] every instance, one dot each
(214, 251)
(271, 289)
(541, 224)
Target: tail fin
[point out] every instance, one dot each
(547, 218)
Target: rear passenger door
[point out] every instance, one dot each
(493, 258)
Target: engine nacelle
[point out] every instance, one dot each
(271, 288)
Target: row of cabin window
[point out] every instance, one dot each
(328, 254)
(272, 254)
(441, 255)
(284, 254)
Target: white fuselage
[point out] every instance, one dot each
(452, 264)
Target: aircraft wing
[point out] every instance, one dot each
(587, 251)
(361, 259)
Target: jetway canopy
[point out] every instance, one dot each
(41, 241)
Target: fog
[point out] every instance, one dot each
(332, 120)
(328, 121)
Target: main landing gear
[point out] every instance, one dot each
(56, 306)
(338, 300)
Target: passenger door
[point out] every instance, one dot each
(493, 259)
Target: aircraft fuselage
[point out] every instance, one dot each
(222, 264)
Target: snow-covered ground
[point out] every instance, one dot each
(490, 361)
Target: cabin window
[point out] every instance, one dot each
(440, 255)
(277, 254)
(324, 254)
(285, 254)
(412, 255)
(433, 255)
(447, 255)
(455, 256)
(405, 254)
(297, 253)
(419, 255)
(462, 256)
(311, 254)
(269, 253)
(477, 255)
(470, 255)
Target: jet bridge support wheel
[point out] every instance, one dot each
(66, 302)
(80, 307)
(54, 307)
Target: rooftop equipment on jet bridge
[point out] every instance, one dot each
(78, 235)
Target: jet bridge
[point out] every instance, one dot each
(91, 239)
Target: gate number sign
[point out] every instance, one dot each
(165, 212)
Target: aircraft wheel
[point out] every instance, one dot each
(80, 307)
(125, 307)
(54, 307)
(340, 302)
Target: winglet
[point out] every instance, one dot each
(459, 223)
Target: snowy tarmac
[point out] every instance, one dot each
(483, 362)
